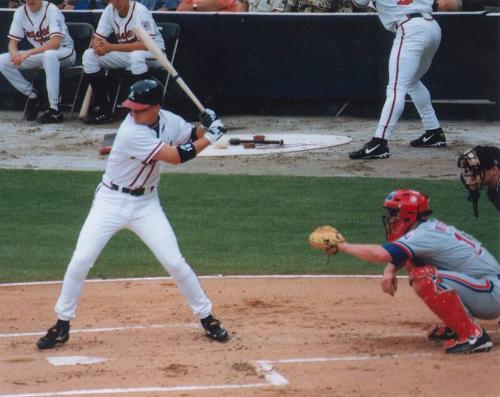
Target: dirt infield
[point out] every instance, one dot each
(292, 336)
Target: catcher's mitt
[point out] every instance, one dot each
(325, 238)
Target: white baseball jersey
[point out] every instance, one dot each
(130, 162)
(39, 27)
(434, 242)
(392, 11)
(112, 22)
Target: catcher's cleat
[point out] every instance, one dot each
(58, 334)
(51, 116)
(431, 138)
(377, 148)
(441, 333)
(473, 344)
(214, 329)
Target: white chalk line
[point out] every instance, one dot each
(212, 277)
(150, 389)
(108, 329)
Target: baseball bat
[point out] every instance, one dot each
(237, 141)
(163, 60)
(84, 110)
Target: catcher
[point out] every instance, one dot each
(481, 168)
(455, 276)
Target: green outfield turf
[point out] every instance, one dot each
(224, 224)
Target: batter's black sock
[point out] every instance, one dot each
(62, 325)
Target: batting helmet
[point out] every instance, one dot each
(404, 208)
(144, 94)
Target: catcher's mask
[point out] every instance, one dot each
(404, 208)
(473, 172)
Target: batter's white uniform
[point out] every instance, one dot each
(417, 40)
(138, 62)
(130, 166)
(38, 28)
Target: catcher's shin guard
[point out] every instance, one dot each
(446, 304)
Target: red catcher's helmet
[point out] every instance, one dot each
(404, 208)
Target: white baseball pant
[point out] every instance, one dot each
(138, 62)
(413, 49)
(51, 61)
(113, 211)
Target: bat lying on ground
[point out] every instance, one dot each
(237, 141)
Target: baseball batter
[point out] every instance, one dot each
(451, 271)
(45, 28)
(119, 17)
(417, 38)
(127, 198)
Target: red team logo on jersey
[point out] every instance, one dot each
(40, 35)
(125, 36)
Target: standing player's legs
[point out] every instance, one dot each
(420, 95)
(105, 218)
(153, 227)
(404, 62)
(102, 222)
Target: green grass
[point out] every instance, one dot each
(224, 224)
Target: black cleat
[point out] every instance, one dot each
(59, 333)
(441, 333)
(51, 116)
(214, 329)
(473, 344)
(98, 117)
(32, 108)
(377, 148)
(431, 138)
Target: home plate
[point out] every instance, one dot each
(75, 360)
(291, 143)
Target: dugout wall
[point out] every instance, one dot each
(229, 59)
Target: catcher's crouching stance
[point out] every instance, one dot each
(453, 274)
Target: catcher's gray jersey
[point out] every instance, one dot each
(445, 247)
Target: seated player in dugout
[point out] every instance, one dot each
(454, 275)
(43, 24)
(481, 168)
(118, 18)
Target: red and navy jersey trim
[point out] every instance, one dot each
(484, 286)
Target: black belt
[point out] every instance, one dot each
(414, 15)
(132, 192)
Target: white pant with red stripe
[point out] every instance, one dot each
(50, 60)
(414, 46)
(111, 212)
(480, 296)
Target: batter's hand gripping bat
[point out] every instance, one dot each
(160, 56)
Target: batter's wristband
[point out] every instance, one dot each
(186, 152)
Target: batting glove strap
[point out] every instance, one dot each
(215, 131)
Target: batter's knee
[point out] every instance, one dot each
(80, 266)
(177, 267)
